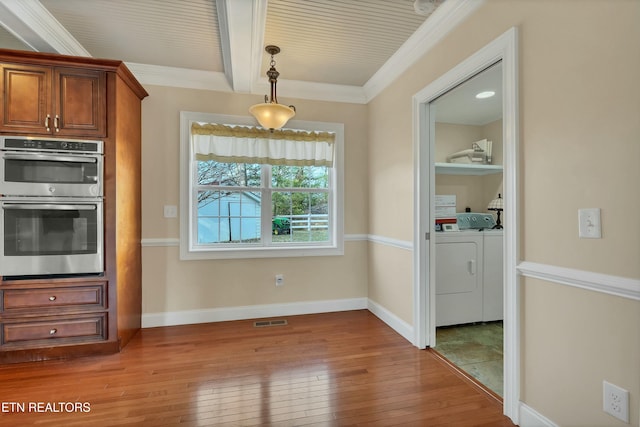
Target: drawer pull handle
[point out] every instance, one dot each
(53, 331)
(52, 298)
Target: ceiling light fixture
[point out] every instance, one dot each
(270, 114)
(425, 7)
(485, 94)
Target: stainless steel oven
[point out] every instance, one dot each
(51, 236)
(51, 206)
(50, 167)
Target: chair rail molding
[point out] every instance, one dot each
(612, 285)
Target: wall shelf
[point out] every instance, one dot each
(466, 169)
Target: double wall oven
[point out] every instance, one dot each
(51, 206)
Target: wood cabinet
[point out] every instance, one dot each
(58, 101)
(84, 98)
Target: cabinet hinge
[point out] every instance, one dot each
(427, 236)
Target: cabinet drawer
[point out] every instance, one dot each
(54, 331)
(87, 296)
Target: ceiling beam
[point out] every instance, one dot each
(241, 24)
(31, 23)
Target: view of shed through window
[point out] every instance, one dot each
(253, 187)
(230, 198)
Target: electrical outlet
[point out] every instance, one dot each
(615, 401)
(279, 279)
(589, 223)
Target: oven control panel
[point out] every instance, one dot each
(45, 144)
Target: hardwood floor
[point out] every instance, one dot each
(345, 369)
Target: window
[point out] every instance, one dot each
(248, 192)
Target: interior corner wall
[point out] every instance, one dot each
(579, 106)
(174, 287)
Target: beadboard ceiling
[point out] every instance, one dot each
(335, 50)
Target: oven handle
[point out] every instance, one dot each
(78, 159)
(55, 207)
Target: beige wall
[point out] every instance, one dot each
(171, 285)
(579, 107)
(572, 340)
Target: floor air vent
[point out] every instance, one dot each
(263, 323)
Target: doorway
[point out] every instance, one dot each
(468, 237)
(503, 50)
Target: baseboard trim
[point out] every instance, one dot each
(223, 314)
(612, 285)
(529, 417)
(394, 322)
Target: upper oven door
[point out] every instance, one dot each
(24, 173)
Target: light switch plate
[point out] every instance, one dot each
(170, 211)
(589, 223)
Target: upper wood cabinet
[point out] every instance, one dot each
(56, 101)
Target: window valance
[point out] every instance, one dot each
(247, 144)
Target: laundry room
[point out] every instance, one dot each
(469, 221)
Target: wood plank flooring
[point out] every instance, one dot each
(335, 369)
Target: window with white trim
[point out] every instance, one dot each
(247, 192)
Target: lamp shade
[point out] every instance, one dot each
(271, 115)
(496, 204)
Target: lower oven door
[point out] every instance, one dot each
(51, 237)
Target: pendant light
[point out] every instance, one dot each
(270, 114)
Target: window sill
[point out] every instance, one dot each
(259, 252)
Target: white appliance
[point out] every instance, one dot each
(469, 277)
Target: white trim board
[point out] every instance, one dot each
(612, 285)
(388, 241)
(394, 322)
(224, 314)
(160, 242)
(504, 48)
(529, 417)
(174, 241)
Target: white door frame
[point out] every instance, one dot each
(504, 48)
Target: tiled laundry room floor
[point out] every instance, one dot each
(475, 348)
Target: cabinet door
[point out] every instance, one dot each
(26, 99)
(79, 102)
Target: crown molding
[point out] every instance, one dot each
(179, 77)
(314, 91)
(216, 81)
(446, 17)
(31, 23)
